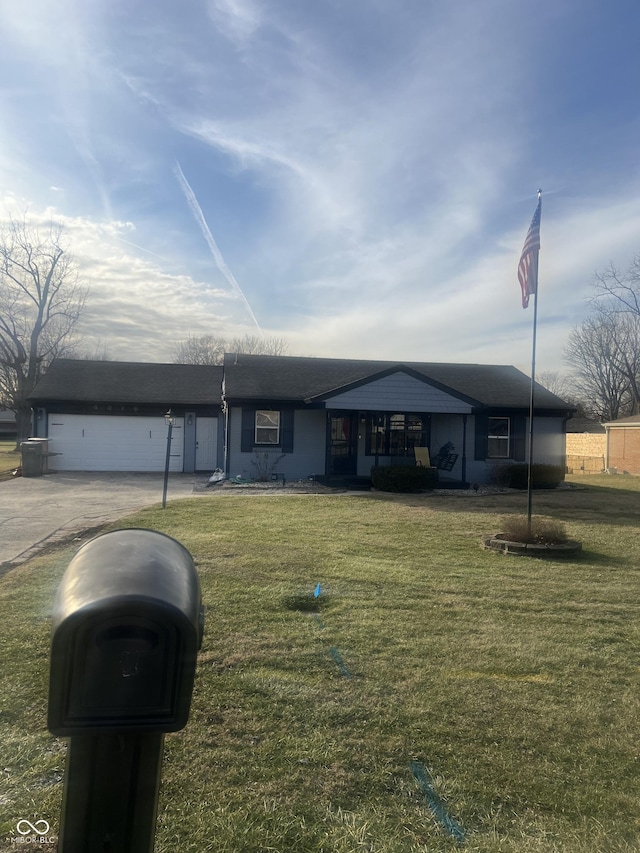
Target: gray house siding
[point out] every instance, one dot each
(548, 448)
(549, 441)
(398, 392)
(308, 456)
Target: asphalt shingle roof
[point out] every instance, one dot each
(633, 420)
(298, 378)
(578, 425)
(263, 377)
(75, 380)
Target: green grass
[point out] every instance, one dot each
(10, 459)
(513, 681)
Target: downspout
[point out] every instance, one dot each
(565, 420)
(464, 451)
(225, 411)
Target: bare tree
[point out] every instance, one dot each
(41, 300)
(205, 349)
(602, 351)
(98, 352)
(618, 291)
(257, 345)
(209, 349)
(556, 382)
(612, 333)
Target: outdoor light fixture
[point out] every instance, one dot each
(169, 418)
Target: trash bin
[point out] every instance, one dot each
(34, 457)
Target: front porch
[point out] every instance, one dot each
(357, 440)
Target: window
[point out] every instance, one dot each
(498, 438)
(396, 434)
(267, 430)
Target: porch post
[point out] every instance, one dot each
(327, 445)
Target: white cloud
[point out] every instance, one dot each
(362, 166)
(237, 19)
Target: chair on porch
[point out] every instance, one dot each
(445, 459)
(422, 457)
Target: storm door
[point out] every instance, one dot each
(342, 444)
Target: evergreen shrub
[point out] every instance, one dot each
(403, 478)
(516, 476)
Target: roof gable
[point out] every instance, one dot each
(397, 389)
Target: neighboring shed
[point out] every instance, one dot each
(586, 446)
(623, 445)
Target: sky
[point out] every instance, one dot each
(354, 176)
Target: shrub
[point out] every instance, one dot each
(499, 476)
(265, 464)
(516, 476)
(544, 531)
(403, 478)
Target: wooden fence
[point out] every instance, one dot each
(585, 464)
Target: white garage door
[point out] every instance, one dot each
(103, 443)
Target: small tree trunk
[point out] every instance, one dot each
(23, 425)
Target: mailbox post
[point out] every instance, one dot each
(127, 625)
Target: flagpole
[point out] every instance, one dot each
(531, 397)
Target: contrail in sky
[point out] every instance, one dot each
(208, 236)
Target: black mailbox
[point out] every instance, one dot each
(127, 626)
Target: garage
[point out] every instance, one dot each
(113, 443)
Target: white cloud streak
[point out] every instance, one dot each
(192, 201)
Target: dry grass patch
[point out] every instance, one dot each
(542, 531)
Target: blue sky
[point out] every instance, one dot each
(356, 176)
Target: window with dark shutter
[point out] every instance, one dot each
(266, 428)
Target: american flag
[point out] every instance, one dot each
(528, 266)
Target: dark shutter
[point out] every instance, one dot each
(482, 434)
(286, 429)
(248, 429)
(519, 438)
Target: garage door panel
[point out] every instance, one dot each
(100, 443)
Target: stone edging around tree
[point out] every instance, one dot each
(497, 542)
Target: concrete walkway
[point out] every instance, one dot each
(38, 511)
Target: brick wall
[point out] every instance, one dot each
(624, 449)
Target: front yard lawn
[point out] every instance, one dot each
(433, 697)
(10, 459)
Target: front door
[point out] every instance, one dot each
(206, 443)
(342, 444)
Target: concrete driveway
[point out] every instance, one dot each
(38, 511)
